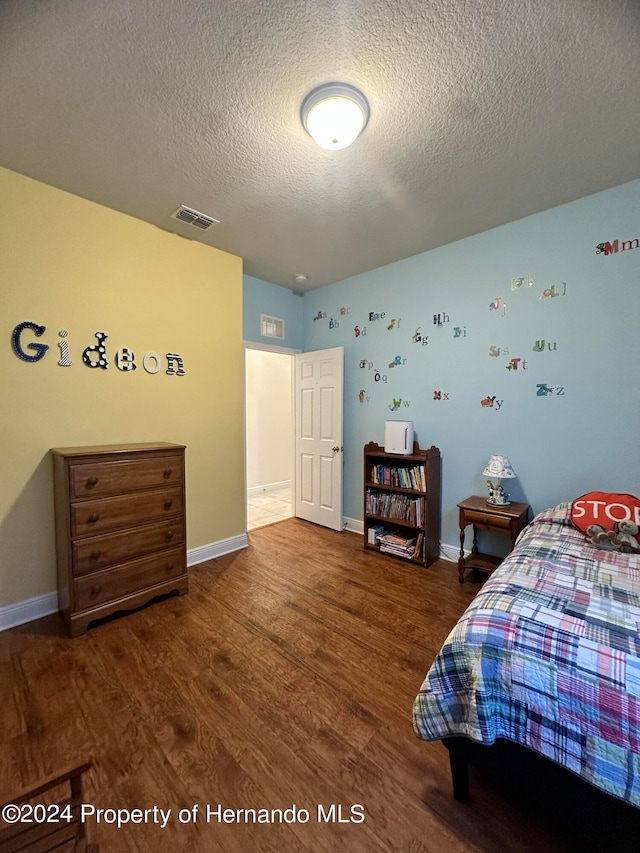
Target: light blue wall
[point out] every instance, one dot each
(260, 297)
(583, 435)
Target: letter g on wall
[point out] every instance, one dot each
(16, 341)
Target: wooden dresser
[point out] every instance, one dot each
(120, 528)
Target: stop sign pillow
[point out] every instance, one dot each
(605, 509)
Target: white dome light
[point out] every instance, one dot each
(335, 114)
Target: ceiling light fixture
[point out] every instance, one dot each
(335, 114)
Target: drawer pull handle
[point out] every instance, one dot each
(95, 589)
(169, 535)
(93, 518)
(95, 555)
(168, 503)
(166, 473)
(169, 566)
(92, 481)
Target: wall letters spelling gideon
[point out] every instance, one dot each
(93, 356)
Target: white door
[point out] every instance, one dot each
(318, 438)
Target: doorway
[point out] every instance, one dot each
(269, 436)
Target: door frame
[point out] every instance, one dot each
(284, 351)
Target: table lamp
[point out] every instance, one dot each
(498, 468)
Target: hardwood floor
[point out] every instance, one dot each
(285, 677)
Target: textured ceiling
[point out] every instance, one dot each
(482, 112)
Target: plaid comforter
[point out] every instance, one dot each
(548, 655)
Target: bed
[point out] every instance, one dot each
(547, 656)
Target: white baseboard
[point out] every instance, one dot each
(451, 552)
(353, 524)
(12, 615)
(269, 487)
(216, 549)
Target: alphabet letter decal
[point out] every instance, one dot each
(99, 350)
(65, 360)
(39, 349)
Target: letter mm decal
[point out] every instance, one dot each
(611, 247)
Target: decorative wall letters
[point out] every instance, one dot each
(94, 356)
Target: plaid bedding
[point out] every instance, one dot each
(548, 655)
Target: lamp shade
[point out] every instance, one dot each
(500, 467)
(335, 114)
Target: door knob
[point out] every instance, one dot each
(336, 449)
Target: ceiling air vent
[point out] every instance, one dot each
(194, 217)
(271, 327)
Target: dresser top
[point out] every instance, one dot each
(116, 448)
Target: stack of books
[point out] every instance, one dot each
(401, 544)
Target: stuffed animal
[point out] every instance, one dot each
(599, 537)
(614, 541)
(621, 538)
(626, 533)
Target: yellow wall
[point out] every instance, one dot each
(66, 263)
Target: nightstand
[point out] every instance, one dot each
(475, 510)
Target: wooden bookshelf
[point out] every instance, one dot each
(402, 503)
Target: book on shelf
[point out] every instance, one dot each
(417, 553)
(374, 532)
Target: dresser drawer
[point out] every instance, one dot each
(112, 584)
(486, 521)
(100, 479)
(98, 552)
(90, 517)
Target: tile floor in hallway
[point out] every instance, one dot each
(267, 506)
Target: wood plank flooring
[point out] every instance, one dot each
(285, 677)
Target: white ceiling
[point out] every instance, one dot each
(482, 112)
